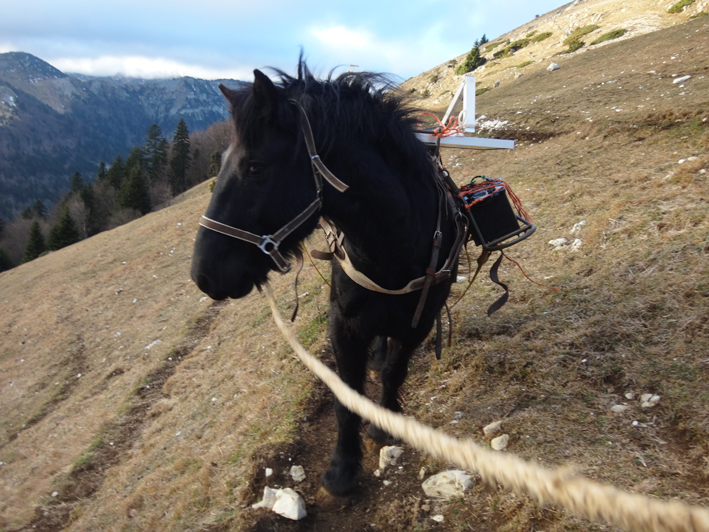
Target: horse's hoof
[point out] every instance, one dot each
(328, 502)
(374, 375)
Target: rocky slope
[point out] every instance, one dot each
(52, 124)
(436, 87)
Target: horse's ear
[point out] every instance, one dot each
(265, 93)
(228, 93)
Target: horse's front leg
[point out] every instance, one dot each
(393, 373)
(350, 348)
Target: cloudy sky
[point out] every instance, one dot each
(229, 38)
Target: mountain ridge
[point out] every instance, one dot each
(53, 123)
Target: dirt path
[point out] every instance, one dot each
(116, 438)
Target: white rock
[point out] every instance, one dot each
(297, 473)
(289, 504)
(493, 428)
(386, 482)
(577, 227)
(285, 502)
(649, 402)
(268, 500)
(269, 472)
(619, 409)
(388, 456)
(630, 396)
(437, 518)
(377, 472)
(55, 493)
(447, 485)
(693, 158)
(681, 79)
(422, 472)
(558, 243)
(682, 161)
(500, 443)
(553, 66)
(576, 244)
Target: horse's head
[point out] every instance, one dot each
(266, 180)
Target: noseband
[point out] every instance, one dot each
(269, 243)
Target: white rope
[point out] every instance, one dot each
(576, 494)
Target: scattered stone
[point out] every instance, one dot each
(553, 66)
(576, 244)
(693, 158)
(55, 493)
(422, 472)
(285, 502)
(437, 518)
(558, 243)
(518, 75)
(456, 417)
(500, 443)
(269, 472)
(682, 161)
(153, 344)
(425, 508)
(492, 428)
(648, 400)
(681, 79)
(388, 456)
(461, 278)
(386, 482)
(297, 473)
(630, 396)
(619, 409)
(496, 84)
(577, 227)
(377, 472)
(447, 485)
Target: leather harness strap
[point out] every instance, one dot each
(269, 243)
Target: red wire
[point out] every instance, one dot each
(527, 276)
(446, 130)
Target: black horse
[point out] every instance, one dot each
(393, 216)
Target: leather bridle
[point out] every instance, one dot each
(269, 243)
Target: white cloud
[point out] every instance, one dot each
(142, 67)
(343, 37)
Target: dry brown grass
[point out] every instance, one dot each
(633, 315)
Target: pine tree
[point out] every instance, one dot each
(101, 174)
(64, 233)
(155, 151)
(180, 161)
(473, 60)
(77, 182)
(134, 193)
(135, 159)
(39, 209)
(35, 244)
(116, 174)
(215, 162)
(5, 262)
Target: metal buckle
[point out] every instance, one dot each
(267, 240)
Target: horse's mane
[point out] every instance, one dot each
(362, 107)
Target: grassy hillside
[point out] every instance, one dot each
(102, 428)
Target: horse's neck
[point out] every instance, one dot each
(388, 219)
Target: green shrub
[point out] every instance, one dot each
(433, 78)
(679, 6)
(531, 33)
(481, 91)
(473, 60)
(610, 35)
(700, 14)
(512, 48)
(491, 47)
(580, 32)
(541, 36)
(574, 45)
(522, 65)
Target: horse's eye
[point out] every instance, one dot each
(255, 168)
